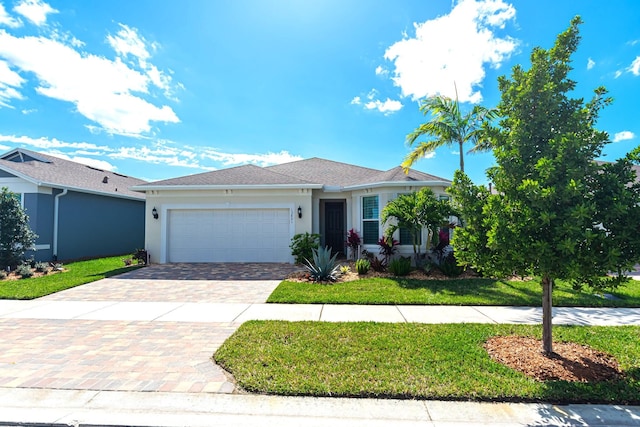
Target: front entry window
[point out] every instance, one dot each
(370, 220)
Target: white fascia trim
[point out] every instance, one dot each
(33, 154)
(399, 184)
(224, 187)
(67, 187)
(333, 189)
(99, 193)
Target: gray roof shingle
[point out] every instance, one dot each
(397, 175)
(326, 172)
(47, 170)
(314, 172)
(250, 175)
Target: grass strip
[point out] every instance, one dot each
(414, 361)
(76, 273)
(449, 292)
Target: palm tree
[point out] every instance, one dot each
(448, 126)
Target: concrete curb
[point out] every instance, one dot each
(101, 408)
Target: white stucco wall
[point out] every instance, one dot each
(164, 200)
(308, 200)
(385, 195)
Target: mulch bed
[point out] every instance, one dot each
(435, 274)
(569, 361)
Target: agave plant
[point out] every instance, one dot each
(324, 267)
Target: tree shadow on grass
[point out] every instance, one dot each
(491, 291)
(118, 271)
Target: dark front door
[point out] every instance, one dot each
(335, 233)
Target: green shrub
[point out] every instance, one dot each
(15, 235)
(427, 267)
(362, 266)
(449, 266)
(400, 266)
(324, 267)
(25, 271)
(378, 264)
(302, 246)
(42, 267)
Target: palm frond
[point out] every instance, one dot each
(418, 153)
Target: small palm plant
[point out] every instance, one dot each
(324, 267)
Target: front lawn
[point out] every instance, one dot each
(475, 291)
(75, 273)
(414, 361)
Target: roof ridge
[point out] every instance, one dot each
(329, 161)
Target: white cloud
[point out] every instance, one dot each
(266, 159)
(49, 143)
(7, 20)
(635, 66)
(128, 42)
(169, 153)
(623, 136)
(387, 107)
(430, 62)
(160, 154)
(94, 163)
(104, 91)
(381, 71)
(590, 63)
(10, 81)
(429, 155)
(35, 11)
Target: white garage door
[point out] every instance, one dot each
(229, 235)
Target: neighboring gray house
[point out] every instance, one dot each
(250, 213)
(76, 210)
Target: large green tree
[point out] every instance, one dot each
(414, 212)
(555, 213)
(448, 125)
(15, 234)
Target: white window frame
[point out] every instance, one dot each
(364, 220)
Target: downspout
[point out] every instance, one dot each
(56, 207)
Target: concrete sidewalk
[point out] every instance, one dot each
(100, 408)
(237, 313)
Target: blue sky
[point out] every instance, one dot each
(158, 89)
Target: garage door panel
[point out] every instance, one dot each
(229, 235)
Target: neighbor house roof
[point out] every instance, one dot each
(49, 171)
(309, 173)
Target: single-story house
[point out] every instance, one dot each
(76, 210)
(250, 213)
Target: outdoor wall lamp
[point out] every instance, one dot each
(154, 212)
(299, 211)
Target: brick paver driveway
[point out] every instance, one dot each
(132, 355)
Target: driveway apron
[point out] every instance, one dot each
(127, 354)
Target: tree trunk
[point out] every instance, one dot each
(461, 157)
(547, 306)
